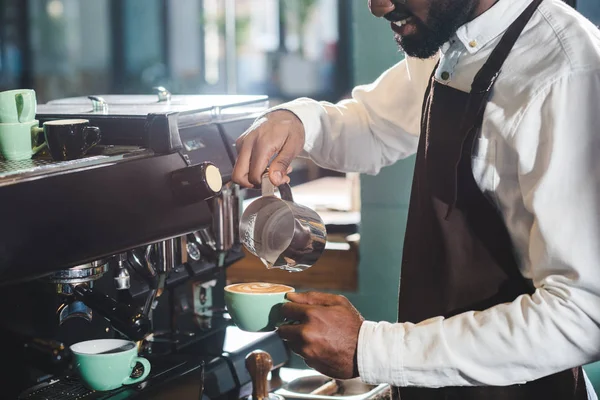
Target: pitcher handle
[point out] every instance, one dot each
(268, 189)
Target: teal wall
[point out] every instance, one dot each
(384, 198)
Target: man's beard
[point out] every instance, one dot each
(445, 17)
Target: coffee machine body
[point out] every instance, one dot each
(131, 241)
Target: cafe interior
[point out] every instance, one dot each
(103, 246)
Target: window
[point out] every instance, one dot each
(66, 48)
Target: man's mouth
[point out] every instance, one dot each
(402, 22)
(398, 18)
(404, 27)
(398, 14)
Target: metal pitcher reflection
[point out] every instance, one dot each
(282, 233)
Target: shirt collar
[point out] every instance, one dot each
(475, 34)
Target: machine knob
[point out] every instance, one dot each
(99, 104)
(163, 93)
(196, 183)
(122, 279)
(193, 251)
(259, 363)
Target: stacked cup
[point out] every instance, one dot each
(18, 126)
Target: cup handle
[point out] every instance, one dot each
(37, 149)
(145, 363)
(23, 101)
(268, 189)
(94, 132)
(35, 130)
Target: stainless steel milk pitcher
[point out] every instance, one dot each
(281, 233)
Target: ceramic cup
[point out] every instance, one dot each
(18, 140)
(69, 139)
(255, 307)
(107, 364)
(17, 106)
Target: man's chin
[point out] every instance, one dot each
(414, 46)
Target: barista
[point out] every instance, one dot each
(500, 279)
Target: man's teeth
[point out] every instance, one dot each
(404, 21)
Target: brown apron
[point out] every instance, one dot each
(458, 254)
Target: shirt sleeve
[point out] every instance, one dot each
(557, 327)
(376, 127)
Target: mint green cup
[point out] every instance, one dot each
(17, 106)
(17, 140)
(256, 312)
(102, 372)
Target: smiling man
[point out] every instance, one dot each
(500, 278)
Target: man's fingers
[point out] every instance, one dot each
(280, 166)
(316, 298)
(271, 141)
(294, 312)
(259, 160)
(242, 164)
(291, 333)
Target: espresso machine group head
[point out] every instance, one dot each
(131, 241)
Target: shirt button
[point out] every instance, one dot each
(473, 43)
(445, 75)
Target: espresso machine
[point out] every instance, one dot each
(131, 241)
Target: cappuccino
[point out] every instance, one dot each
(259, 288)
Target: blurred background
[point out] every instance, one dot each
(77, 47)
(282, 48)
(73, 47)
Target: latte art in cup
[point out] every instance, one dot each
(259, 288)
(256, 306)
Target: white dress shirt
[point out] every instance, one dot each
(538, 156)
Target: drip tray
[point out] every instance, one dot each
(42, 165)
(312, 385)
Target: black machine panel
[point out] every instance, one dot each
(120, 195)
(231, 131)
(133, 241)
(205, 143)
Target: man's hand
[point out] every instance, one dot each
(326, 332)
(279, 132)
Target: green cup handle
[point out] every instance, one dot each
(26, 108)
(34, 131)
(145, 363)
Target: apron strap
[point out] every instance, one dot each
(483, 83)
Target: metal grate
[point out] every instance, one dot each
(64, 389)
(15, 171)
(8, 167)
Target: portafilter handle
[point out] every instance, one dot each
(124, 318)
(259, 363)
(48, 355)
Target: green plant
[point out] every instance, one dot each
(242, 26)
(302, 9)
